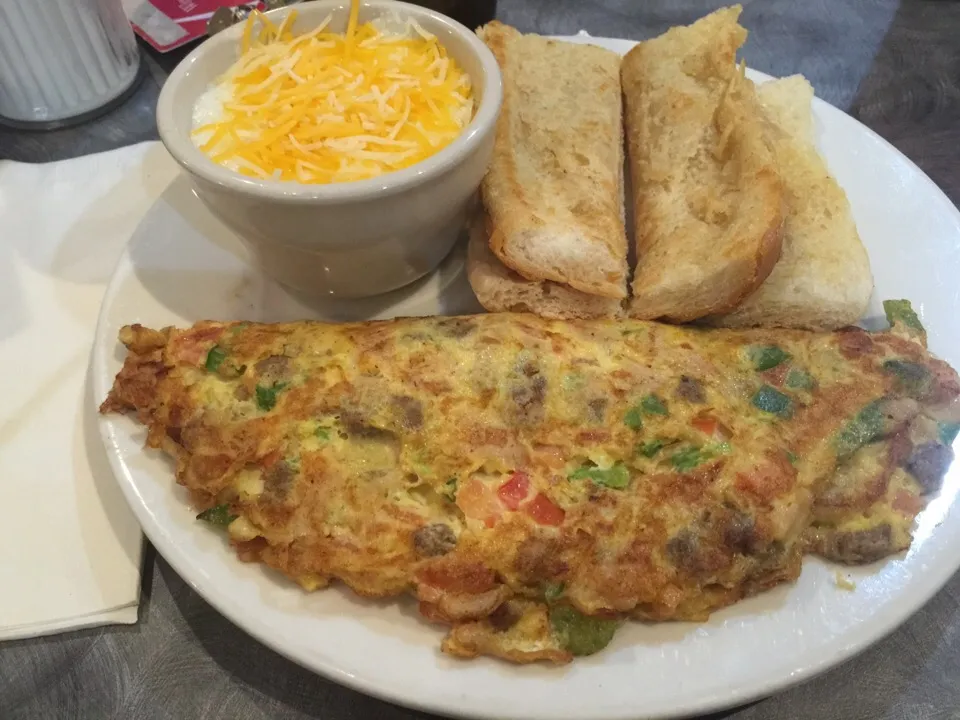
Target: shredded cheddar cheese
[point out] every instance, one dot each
(324, 107)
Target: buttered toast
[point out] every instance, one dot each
(500, 289)
(707, 191)
(823, 280)
(554, 190)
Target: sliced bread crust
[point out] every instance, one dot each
(554, 190)
(707, 191)
(823, 280)
(500, 289)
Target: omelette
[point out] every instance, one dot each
(534, 483)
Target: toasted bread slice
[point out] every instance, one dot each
(823, 280)
(554, 190)
(708, 198)
(500, 289)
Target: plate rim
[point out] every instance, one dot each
(165, 544)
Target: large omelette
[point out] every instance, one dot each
(534, 483)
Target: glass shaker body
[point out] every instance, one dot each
(62, 60)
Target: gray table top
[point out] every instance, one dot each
(894, 65)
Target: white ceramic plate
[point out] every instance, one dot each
(182, 266)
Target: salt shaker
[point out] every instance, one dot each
(63, 60)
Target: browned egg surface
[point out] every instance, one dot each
(534, 483)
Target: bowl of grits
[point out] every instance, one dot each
(342, 142)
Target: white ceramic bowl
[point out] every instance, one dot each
(347, 239)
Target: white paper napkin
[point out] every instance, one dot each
(70, 548)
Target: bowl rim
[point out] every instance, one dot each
(196, 162)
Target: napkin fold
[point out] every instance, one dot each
(70, 548)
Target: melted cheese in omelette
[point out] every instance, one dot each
(533, 483)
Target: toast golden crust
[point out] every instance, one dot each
(554, 187)
(707, 191)
(823, 279)
(500, 289)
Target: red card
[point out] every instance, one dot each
(168, 24)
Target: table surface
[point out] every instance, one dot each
(895, 66)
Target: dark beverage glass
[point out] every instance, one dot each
(472, 13)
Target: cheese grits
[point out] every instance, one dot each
(325, 107)
(536, 483)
